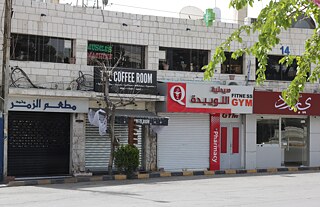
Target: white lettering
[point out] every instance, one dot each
(281, 104)
(144, 78)
(215, 145)
(120, 77)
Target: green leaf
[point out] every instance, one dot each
(276, 17)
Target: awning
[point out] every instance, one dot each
(140, 117)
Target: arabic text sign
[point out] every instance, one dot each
(48, 105)
(208, 98)
(273, 103)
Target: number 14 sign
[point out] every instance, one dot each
(285, 50)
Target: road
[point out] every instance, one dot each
(301, 189)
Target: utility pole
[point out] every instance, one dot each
(5, 80)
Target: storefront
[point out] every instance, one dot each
(134, 91)
(40, 135)
(205, 128)
(97, 147)
(284, 137)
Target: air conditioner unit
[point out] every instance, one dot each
(231, 82)
(249, 20)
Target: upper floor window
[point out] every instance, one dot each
(277, 71)
(231, 66)
(182, 59)
(304, 22)
(131, 56)
(41, 48)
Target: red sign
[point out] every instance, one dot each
(214, 142)
(273, 103)
(176, 97)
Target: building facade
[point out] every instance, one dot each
(53, 84)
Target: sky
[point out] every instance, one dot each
(170, 8)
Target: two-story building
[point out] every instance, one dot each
(217, 124)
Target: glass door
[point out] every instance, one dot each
(294, 141)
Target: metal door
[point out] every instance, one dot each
(38, 144)
(97, 150)
(230, 146)
(184, 143)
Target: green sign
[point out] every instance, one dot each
(209, 17)
(100, 48)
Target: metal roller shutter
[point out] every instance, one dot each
(184, 144)
(97, 148)
(38, 144)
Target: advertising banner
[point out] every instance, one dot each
(209, 98)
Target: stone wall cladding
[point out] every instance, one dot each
(85, 24)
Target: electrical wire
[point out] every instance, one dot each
(16, 70)
(159, 10)
(171, 12)
(82, 82)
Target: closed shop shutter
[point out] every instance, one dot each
(38, 144)
(184, 143)
(97, 148)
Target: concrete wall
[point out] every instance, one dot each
(268, 156)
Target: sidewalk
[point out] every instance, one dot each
(151, 175)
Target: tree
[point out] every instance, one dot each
(277, 16)
(111, 105)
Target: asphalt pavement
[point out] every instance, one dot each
(289, 189)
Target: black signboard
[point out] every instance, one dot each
(128, 81)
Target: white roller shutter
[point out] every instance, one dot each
(97, 149)
(184, 143)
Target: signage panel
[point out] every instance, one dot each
(208, 98)
(214, 142)
(273, 103)
(128, 81)
(65, 105)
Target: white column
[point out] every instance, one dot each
(77, 143)
(314, 143)
(250, 142)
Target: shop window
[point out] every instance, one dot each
(232, 66)
(41, 48)
(277, 71)
(267, 131)
(182, 59)
(291, 136)
(131, 56)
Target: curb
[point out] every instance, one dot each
(157, 175)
